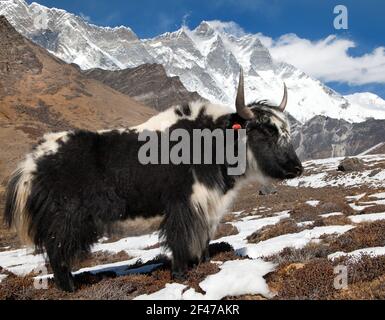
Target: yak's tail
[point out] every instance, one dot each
(18, 191)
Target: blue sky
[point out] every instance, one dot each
(309, 20)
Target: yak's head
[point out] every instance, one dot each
(268, 137)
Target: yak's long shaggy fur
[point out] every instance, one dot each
(74, 184)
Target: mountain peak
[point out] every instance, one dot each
(208, 28)
(206, 59)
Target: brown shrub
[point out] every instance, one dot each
(285, 226)
(101, 257)
(363, 236)
(309, 252)
(224, 230)
(373, 290)
(331, 221)
(365, 269)
(314, 280)
(16, 288)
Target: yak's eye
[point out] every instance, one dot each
(270, 129)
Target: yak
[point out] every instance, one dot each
(74, 184)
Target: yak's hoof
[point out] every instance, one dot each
(65, 283)
(179, 275)
(206, 258)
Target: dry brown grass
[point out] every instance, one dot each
(363, 236)
(101, 257)
(224, 230)
(364, 269)
(313, 280)
(331, 221)
(372, 290)
(285, 226)
(308, 253)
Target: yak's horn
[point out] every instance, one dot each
(283, 104)
(242, 110)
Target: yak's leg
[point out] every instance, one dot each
(61, 269)
(186, 233)
(69, 239)
(206, 253)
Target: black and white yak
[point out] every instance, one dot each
(76, 183)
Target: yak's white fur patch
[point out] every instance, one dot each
(214, 203)
(211, 202)
(168, 118)
(50, 144)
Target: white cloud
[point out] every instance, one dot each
(329, 59)
(227, 27)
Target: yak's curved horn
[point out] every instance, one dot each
(283, 104)
(242, 110)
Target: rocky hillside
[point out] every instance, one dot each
(323, 137)
(40, 93)
(148, 84)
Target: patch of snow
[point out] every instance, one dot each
(380, 195)
(130, 243)
(313, 203)
(332, 214)
(357, 197)
(172, 291)
(247, 227)
(357, 254)
(294, 240)
(305, 223)
(359, 207)
(21, 261)
(312, 181)
(375, 202)
(236, 278)
(367, 217)
(2, 277)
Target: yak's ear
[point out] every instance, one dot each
(243, 111)
(283, 104)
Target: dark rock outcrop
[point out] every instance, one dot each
(148, 84)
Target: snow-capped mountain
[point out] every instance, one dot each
(207, 60)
